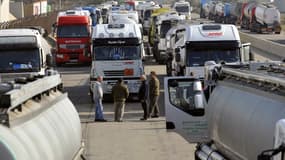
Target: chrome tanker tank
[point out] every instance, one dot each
(247, 10)
(267, 14)
(244, 108)
(38, 121)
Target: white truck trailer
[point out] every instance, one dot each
(117, 53)
(204, 42)
(243, 118)
(23, 52)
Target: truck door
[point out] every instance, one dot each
(184, 108)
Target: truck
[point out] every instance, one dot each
(197, 44)
(165, 22)
(37, 118)
(23, 51)
(260, 17)
(183, 8)
(243, 116)
(73, 37)
(117, 53)
(147, 12)
(232, 13)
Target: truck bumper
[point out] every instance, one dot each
(133, 84)
(72, 58)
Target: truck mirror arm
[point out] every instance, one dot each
(268, 154)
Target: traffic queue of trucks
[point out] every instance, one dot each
(254, 16)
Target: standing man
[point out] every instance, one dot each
(143, 93)
(120, 93)
(153, 95)
(97, 97)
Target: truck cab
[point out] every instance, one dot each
(117, 53)
(23, 52)
(73, 36)
(183, 8)
(165, 22)
(243, 116)
(197, 44)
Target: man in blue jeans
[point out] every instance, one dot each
(97, 97)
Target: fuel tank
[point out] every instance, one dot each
(243, 110)
(38, 121)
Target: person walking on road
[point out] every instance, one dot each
(143, 93)
(153, 95)
(120, 93)
(97, 97)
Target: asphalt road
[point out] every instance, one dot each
(130, 140)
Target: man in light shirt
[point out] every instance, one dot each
(97, 97)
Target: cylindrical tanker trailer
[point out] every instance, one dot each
(235, 13)
(266, 18)
(212, 11)
(38, 121)
(219, 12)
(243, 110)
(246, 15)
(244, 113)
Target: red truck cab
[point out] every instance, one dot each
(73, 37)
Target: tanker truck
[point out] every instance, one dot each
(219, 12)
(265, 18)
(242, 117)
(260, 18)
(232, 12)
(38, 121)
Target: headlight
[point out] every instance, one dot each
(59, 56)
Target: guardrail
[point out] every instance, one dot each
(264, 46)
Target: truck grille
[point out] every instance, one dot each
(73, 56)
(73, 46)
(114, 73)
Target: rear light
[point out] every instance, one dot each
(129, 72)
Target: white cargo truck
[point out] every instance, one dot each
(165, 22)
(243, 118)
(183, 8)
(23, 52)
(204, 42)
(117, 53)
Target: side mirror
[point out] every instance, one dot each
(246, 54)
(177, 57)
(49, 60)
(177, 50)
(198, 99)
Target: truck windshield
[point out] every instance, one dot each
(165, 27)
(147, 14)
(72, 31)
(199, 57)
(182, 8)
(19, 61)
(117, 52)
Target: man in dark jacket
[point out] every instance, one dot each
(143, 93)
(120, 93)
(153, 95)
